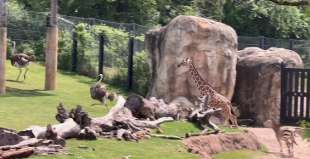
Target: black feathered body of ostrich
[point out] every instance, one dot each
(98, 91)
(21, 60)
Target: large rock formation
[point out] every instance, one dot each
(212, 45)
(258, 83)
(209, 145)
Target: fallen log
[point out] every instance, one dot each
(26, 143)
(68, 129)
(17, 153)
(172, 137)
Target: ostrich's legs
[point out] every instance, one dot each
(20, 72)
(26, 71)
(104, 102)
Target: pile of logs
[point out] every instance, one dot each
(119, 123)
(15, 145)
(130, 119)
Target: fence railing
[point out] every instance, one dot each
(302, 47)
(116, 52)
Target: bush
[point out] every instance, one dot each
(141, 73)
(65, 50)
(305, 124)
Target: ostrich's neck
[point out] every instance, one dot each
(99, 81)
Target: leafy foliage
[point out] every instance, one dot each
(168, 9)
(265, 18)
(115, 50)
(212, 9)
(306, 125)
(141, 73)
(248, 17)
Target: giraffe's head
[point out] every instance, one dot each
(187, 61)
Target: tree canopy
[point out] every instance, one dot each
(272, 18)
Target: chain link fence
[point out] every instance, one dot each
(90, 46)
(302, 47)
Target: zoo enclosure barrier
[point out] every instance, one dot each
(86, 45)
(302, 47)
(295, 95)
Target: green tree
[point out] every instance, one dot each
(266, 18)
(211, 8)
(168, 9)
(130, 11)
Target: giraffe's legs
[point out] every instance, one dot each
(281, 148)
(292, 150)
(25, 73)
(233, 120)
(288, 148)
(20, 72)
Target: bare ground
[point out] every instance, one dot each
(267, 137)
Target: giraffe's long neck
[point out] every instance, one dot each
(203, 86)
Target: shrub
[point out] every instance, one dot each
(141, 73)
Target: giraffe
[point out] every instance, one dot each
(215, 99)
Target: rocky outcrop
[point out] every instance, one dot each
(206, 146)
(212, 45)
(258, 83)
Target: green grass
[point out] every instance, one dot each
(26, 104)
(240, 154)
(306, 134)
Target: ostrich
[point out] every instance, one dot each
(21, 61)
(98, 91)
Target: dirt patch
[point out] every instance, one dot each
(267, 137)
(208, 145)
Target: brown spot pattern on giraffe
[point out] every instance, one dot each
(216, 99)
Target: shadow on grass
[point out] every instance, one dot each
(80, 80)
(15, 92)
(118, 86)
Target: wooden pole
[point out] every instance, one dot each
(52, 48)
(3, 43)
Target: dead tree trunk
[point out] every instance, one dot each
(68, 129)
(17, 153)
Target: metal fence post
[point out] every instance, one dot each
(291, 44)
(130, 62)
(74, 52)
(101, 54)
(282, 102)
(262, 42)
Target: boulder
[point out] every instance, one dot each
(211, 44)
(258, 84)
(208, 145)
